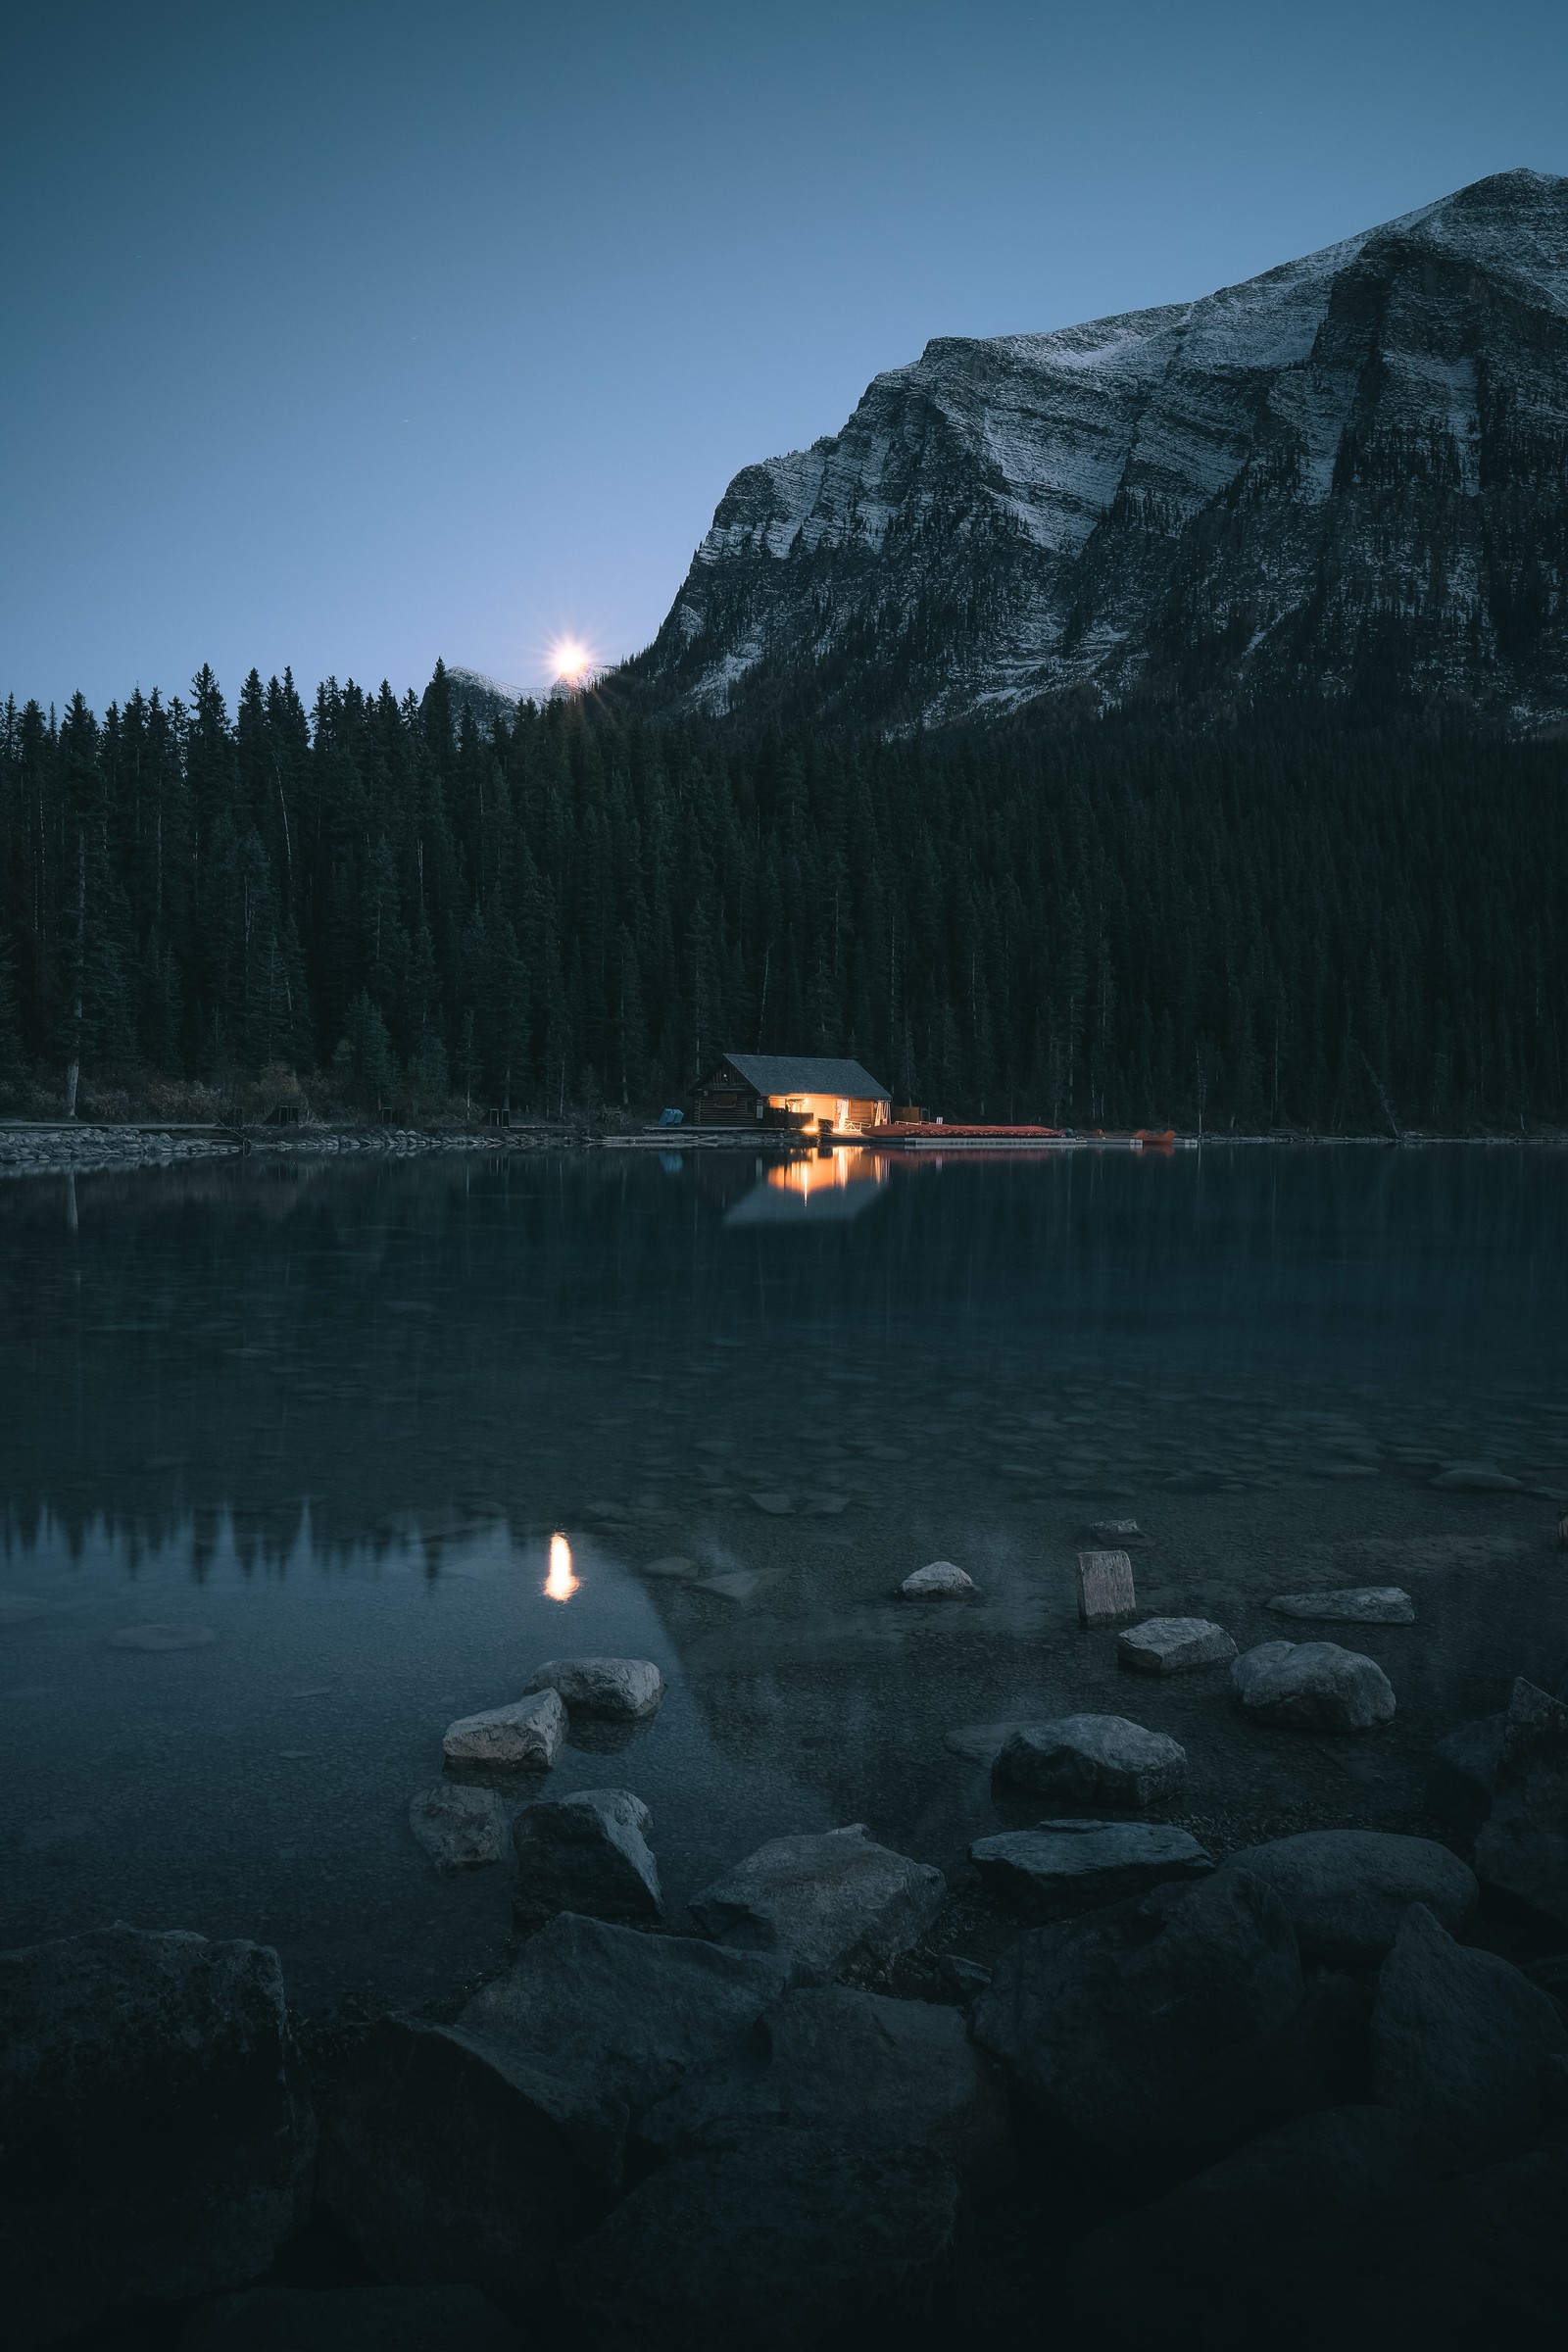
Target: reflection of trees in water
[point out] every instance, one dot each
(541, 1330)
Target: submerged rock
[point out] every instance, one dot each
(459, 1827)
(882, 2073)
(528, 1734)
(1476, 1478)
(1463, 2045)
(1316, 2200)
(630, 1687)
(780, 2238)
(941, 1580)
(1353, 1604)
(823, 1899)
(1093, 1760)
(1060, 1867)
(1348, 1890)
(588, 1853)
(353, 2319)
(1173, 1646)
(1312, 1686)
(1152, 2028)
(162, 1636)
(155, 2133)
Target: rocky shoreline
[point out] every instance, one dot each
(38, 1151)
(1161, 2099)
(42, 1148)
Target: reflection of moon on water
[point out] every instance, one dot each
(823, 1190)
(562, 1582)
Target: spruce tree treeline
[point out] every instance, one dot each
(1287, 922)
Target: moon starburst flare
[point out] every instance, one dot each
(571, 661)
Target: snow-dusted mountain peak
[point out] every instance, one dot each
(1356, 456)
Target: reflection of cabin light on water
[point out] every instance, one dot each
(829, 1187)
(561, 1583)
(828, 1174)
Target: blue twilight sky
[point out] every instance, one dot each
(346, 335)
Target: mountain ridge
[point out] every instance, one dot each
(1353, 465)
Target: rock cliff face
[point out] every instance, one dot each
(1349, 473)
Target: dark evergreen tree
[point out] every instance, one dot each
(1300, 919)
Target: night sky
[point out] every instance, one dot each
(346, 337)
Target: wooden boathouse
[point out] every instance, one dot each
(813, 1095)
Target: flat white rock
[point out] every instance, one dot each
(527, 1733)
(936, 1581)
(1173, 1646)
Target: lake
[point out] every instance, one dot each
(283, 1449)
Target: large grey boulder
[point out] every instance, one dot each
(1347, 1890)
(1463, 2045)
(880, 2072)
(1486, 2264)
(1173, 1646)
(1152, 2028)
(1523, 1845)
(779, 2238)
(625, 1688)
(1326, 2192)
(459, 1827)
(353, 2319)
(1093, 1760)
(1060, 1867)
(155, 2133)
(1351, 1605)
(478, 2151)
(1462, 1776)
(1312, 1686)
(636, 2012)
(527, 1734)
(588, 1853)
(822, 1901)
(1324, 2057)
(451, 2157)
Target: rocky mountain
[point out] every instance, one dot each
(487, 697)
(1350, 473)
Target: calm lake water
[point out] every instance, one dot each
(321, 1423)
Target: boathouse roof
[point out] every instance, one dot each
(807, 1074)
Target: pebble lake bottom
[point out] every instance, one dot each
(284, 1450)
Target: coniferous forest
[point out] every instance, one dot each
(1288, 921)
